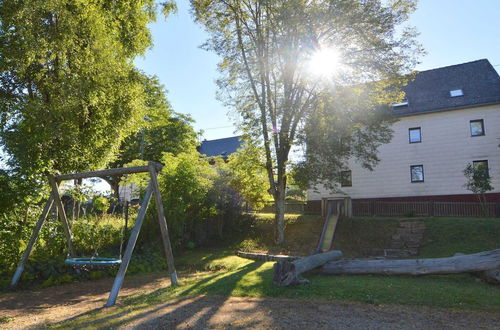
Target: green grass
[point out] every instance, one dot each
(302, 232)
(446, 236)
(242, 277)
(357, 236)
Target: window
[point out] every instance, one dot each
(401, 105)
(417, 173)
(481, 164)
(415, 135)
(346, 179)
(456, 92)
(476, 127)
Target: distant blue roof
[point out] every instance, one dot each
(220, 147)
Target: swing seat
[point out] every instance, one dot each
(93, 263)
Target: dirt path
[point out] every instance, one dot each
(37, 308)
(271, 313)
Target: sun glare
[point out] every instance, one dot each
(325, 62)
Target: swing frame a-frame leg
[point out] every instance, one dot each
(153, 187)
(34, 236)
(54, 198)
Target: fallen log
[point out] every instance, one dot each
(483, 261)
(288, 273)
(265, 256)
(490, 276)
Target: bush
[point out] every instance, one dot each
(46, 263)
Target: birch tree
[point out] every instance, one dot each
(276, 58)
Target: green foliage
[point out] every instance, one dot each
(478, 179)
(6, 319)
(138, 179)
(61, 64)
(101, 203)
(479, 182)
(91, 235)
(350, 123)
(94, 233)
(161, 130)
(247, 172)
(185, 182)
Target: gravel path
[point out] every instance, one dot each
(38, 308)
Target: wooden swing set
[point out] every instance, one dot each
(55, 180)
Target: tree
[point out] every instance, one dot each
(185, 182)
(161, 130)
(478, 182)
(350, 123)
(267, 50)
(69, 90)
(247, 175)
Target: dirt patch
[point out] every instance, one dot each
(39, 308)
(35, 308)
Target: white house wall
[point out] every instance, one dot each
(446, 148)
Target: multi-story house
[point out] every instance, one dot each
(450, 118)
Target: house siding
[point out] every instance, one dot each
(446, 148)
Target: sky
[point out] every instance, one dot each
(451, 31)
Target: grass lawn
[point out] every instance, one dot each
(242, 277)
(230, 275)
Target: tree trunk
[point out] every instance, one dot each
(288, 273)
(280, 219)
(477, 262)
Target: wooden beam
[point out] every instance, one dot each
(62, 214)
(163, 225)
(265, 256)
(108, 172)
(117, 284)
(34, 236)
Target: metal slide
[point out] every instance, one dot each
(326, 240)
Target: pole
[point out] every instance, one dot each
(117, 284)
(163, 225)
(62, 214)
(34, 236)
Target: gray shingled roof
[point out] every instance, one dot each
(430, 90)
(220, 147)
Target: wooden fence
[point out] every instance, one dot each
(436, 209)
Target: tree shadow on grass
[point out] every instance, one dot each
(137, 309)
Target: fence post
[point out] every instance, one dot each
(431, 208)
(372, 206)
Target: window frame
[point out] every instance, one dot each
(342, 182)
(483, 132)
(419, 134)
(411, 174)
